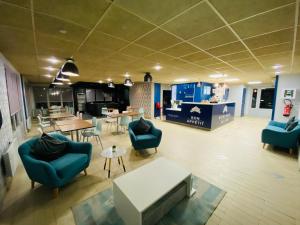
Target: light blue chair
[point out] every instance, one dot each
(124, 121)
(144, 141)
(275, 134)
(141, 114)
(58, 172)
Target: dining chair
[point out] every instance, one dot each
(98, 131)
(112, 121)
(141, 113)
(124, 121)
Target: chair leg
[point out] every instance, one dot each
(32, 184)
(264, 144)
(155, 149)
(100, 141)
(85, 173)
(55, 192)
(291, 151)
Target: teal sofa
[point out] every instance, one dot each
(144, 141)
(276, 135)
(58, 172)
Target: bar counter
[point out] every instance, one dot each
(202, 115)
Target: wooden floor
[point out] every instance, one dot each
(263, 185)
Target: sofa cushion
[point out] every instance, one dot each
(274, 128)
(146, 137)
(289, 122)
(292, 126)
(48, 148)
(142, 127)
(69, 164)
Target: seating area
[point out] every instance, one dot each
(182, 112)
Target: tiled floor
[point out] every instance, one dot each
(263, 186)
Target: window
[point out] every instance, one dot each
(266, 98)
(254, 98)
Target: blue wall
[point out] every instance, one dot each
(156, 99)
(193, 92)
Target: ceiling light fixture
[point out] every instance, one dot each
(69, 68)
(48, 75)
(128, 82)
(218, 75)
(157, 67)
(231, 79)
(53, 60)
(109, 79)
(63, 31)
(111, 84)
(62, 77)
(255, 82)
(57, 82)
(100, 81)
(127, 75)
(181, 80)
(50, 68)
(277, 66)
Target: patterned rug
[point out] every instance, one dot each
(99, 209)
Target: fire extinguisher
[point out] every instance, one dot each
(288, 105)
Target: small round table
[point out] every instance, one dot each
(109, 154)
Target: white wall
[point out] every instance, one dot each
(256, 112)
(286, 82)
(236, 95)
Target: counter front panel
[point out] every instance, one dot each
(208, 116)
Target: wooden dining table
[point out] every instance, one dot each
(119, 115)
(73, 125)
(57, 116)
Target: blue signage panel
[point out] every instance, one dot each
(203, 116)
(222, 114)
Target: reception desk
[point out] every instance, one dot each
(202, 115)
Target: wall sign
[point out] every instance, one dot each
(289, 93)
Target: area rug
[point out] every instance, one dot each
(99, 209)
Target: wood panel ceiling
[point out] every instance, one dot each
(189, 38)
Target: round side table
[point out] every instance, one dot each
(109, 154)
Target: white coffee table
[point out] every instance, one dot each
(138, 190)
(109, 154)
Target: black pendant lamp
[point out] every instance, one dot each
(70, 69)
(147, 77)
(62, 77)
(128, 82)
(57, 82)
(111, 84)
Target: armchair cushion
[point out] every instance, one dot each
(141, 127)
(48, 148)
(292, 126)
(289, 122)
(69, 164)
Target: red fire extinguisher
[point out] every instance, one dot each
(288, 105)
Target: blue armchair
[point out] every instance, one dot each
(58, 172)
(275, 134)
(150, 140)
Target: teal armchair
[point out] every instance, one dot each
(149, 140)
(58, 172)
(276, 135)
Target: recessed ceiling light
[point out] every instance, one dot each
(50, 68)
(100, 81)
(277, 66)
(218, 75)
(180, 80)
(231, 79)
(254, 82)
(157, 67)
(53, 60)
(127, 74)
(48, 75)
(69, 83)
(63, 31)
(109, 79)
